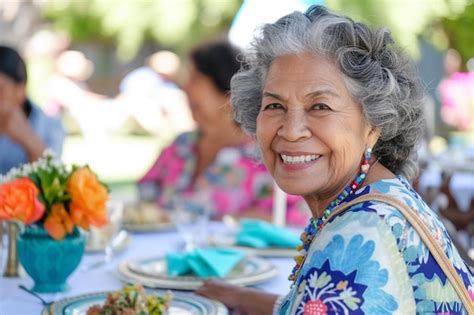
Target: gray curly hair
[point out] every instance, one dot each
(378, 76)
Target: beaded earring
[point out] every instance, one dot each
(365, 164)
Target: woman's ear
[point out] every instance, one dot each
(373, 136)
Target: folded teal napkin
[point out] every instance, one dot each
(203, 262)
(261, 234)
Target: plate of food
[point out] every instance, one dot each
(134, 299)
(153, 273)
(146, 217)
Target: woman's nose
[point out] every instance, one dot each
(294, 126)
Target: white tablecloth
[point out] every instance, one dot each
(14, 301)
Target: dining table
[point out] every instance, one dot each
(93, 276)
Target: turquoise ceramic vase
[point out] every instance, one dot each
(47, 261)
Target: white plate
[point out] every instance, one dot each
(183, 303)
(229, 242)
(152, 273)
(264, 252)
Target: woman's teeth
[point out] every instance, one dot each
(287, 159)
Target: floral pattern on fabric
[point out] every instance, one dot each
(332, 291)
(234, 182)
(380, 262)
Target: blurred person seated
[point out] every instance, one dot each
(154, 99)
(213, 166)
(456, 94)
(25, 130)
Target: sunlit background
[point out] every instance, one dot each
(116, 36)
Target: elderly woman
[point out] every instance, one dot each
(214, 167)
(336, 110)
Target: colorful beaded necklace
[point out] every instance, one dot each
(315, 225)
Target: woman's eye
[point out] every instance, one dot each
(273, 106)
(320, 106)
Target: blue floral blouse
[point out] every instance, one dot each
(368, 260)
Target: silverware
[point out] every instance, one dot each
(21, 286)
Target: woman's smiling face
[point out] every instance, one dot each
(311, 133)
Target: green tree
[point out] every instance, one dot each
(173, 23)
(459, 32)
(446, 23)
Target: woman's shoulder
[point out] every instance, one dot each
(423, 269)
(186, 138)
(183, 145)
(373, 233)
(398, 188)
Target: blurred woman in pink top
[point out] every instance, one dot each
(215, 166)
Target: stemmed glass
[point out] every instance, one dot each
(113, 226)
(105, 235)
(1, 245)
(191, 220)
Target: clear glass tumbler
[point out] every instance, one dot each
(191, 221)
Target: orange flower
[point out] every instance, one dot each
(58, 222)
(88, 199)
(19, 200)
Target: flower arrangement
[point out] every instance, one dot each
(59, 197)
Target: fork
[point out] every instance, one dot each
(47, 305)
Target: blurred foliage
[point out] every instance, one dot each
(444, 22)
(172, 23)
(460, 32)
(179, 24)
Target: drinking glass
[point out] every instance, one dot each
(191, 221)
(113, 226)
(1, 245)
(104, 236)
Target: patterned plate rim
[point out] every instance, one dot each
(218, 307)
